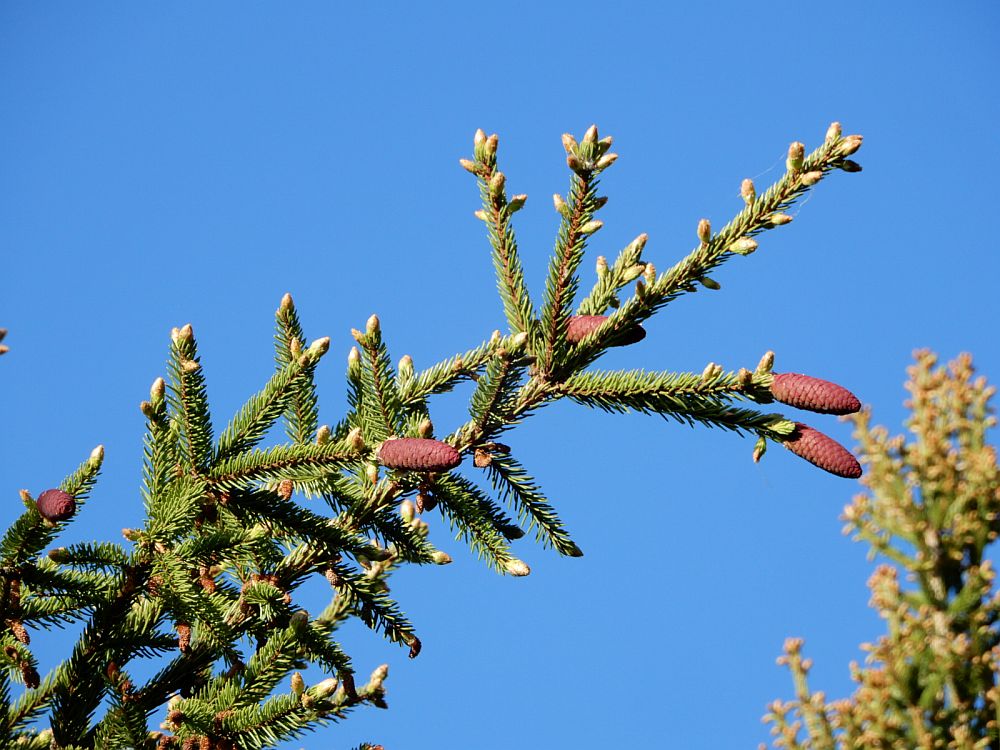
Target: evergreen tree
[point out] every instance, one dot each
(207, 587)
(932, 510)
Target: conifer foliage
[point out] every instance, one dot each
(932, 510)
(207, 587)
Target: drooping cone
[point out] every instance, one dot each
(822, 451)
(56, 505)
(418, 454)
(581, 326)
(813, 394)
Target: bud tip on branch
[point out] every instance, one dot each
(850, 144)
(704, 231)
(796, 155)
(744, 246)
(517, 567)
(319, 347)
(606, 161)
(497, 183)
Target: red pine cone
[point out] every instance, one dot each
(56, 505)
(822, 451)
(813, 394)
(581, 326)
(418, 454)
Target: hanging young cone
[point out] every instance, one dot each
(56, 505)
(183, 637)
(418, 454)
(580, 326)
(813, 394)
(30, 675)
(822, 451)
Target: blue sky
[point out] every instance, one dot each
(192, 163)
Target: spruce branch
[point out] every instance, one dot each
(188, 400)
(626, 269)
(492, 403)
(161, 446)
(106, 556)
(586, 160)
(302, 411)
(29, 707)
(445, 375)
(379, 408)
(321, 649)
(518, 488)
(45, 578)
(186, 602)
(52, 610)
(366, 596)
(478, 521)
(288, 520)
(496, 213)
(30, 533)
(175, 509)
(407, 541)
(760, 214)
(685, 397)
(211, 580)
(296, 462)
(265, 669)
(124, 724)
(80, 686)
(264, 408)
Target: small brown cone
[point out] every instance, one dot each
(822, 451)
(30, 676)
(17, 628)
(183, 637)
(813, 394)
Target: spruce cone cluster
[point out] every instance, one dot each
(823, 397)
(418, 454)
